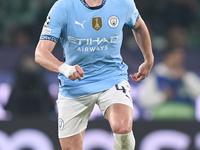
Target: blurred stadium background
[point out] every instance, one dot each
(28, 115)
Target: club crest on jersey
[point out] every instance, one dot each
(97, 23)
(113, 21)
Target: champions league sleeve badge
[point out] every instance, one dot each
(113, 21)
(47, 21)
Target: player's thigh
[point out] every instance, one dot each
(117, 106)
(120, 117)
(73, 114)
(72, 142)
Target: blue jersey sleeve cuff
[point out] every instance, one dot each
(49, 37)
(131, 27)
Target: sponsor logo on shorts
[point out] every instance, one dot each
(113, 21)
(60, 124)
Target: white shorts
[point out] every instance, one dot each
(74, 113)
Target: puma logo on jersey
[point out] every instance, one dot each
(81, 24)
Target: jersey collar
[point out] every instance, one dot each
(93, 8)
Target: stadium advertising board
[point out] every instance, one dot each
(41, 134)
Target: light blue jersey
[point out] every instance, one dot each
(91, 37)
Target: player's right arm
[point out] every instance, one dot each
(44, 57)
(50, 34)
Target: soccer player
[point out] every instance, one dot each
(90, 32)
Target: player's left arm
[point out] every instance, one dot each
(143, 40)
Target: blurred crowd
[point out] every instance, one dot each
(21, 21)
(170, 22)
(169, 93)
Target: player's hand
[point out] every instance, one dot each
(143, 72)
(78, 74)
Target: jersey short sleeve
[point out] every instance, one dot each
(132, 15)
(54, 23)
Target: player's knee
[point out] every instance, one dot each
(121, 128)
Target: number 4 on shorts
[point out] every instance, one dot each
(122, 88)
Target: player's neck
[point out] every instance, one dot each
(94, 3)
